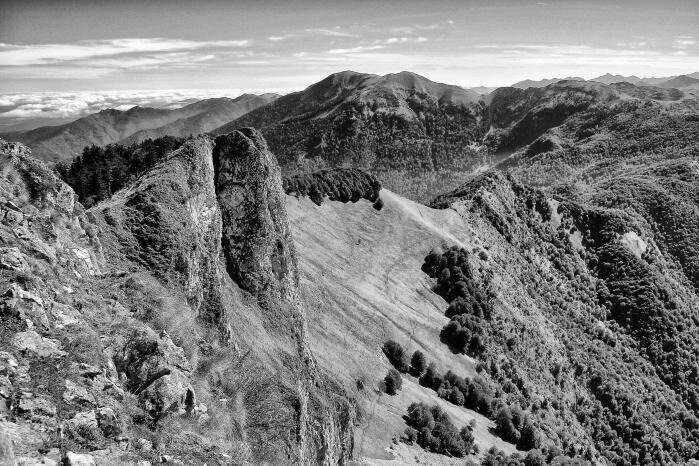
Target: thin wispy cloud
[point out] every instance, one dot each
(417, 28)
(330, 32)
(358, 49)
(683, 42)
(42, 54)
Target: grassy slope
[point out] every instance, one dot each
(363, 265)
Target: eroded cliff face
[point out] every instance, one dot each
(256, 237)
(169, 222)
(164, 324)
(261, 259)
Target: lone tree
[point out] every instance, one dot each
(396, 355)
(418, 363)
(393, 382)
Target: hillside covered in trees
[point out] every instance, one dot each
(422, 138)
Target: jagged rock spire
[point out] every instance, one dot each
(256, 235)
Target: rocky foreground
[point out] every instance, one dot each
(162, 325)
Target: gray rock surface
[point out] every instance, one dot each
(256, 235)
(169, 312)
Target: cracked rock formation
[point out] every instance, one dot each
(256, 236)
(165, 322)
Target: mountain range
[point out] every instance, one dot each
(419, 137)
(387, 270)
(64, 142)
(678, 82)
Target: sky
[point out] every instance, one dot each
(64, 58)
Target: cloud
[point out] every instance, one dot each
(414, 28)
(358, 49)
(73, 105)
(336, 32)
(684, 42)
(280, 38)
(44, 54)
(401, 40)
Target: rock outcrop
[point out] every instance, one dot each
(161, 321)
(169, 222)
(261, 259)
(256, 236)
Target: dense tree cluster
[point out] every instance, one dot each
(534, 457)
(101, 171)
(431, 428)
(626, 325)
(469, 302)
(339, 184)
(477, 394)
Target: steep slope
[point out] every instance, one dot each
(213, 113)
(585, 331)
(360, 274)
(415, 133)
(126, 338)
(535, 120)
(597, 269)
(63, 142)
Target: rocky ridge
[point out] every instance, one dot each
(125, 337)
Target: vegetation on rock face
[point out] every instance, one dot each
(101, 171)
(339, 184)
(597, 348)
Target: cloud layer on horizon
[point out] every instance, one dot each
(42, 107)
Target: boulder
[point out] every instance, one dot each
(157, 372)
(11, 258)
(32, 342)
(78, 459)
(108, 422)
(82, 422)
(75, 393)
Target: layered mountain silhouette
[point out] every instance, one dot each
(608, 78)
(542, 82)
(63, 142)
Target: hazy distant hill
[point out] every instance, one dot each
(609, 78)
(680, 82)
(482, 89)
(63, 142)
(214, 113)
(542, 82)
